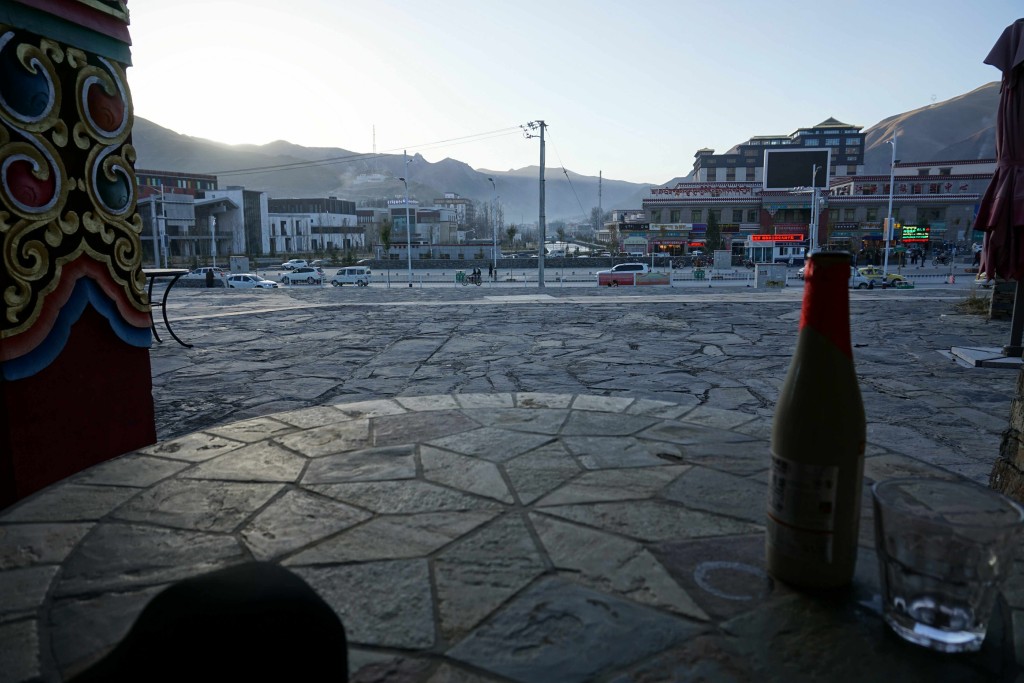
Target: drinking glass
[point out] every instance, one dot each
(944, 549)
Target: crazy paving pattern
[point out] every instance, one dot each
(463, 537)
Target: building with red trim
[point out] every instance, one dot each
(728, 189)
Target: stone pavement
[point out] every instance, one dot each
(562, 485)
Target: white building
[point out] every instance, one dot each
(313, 224)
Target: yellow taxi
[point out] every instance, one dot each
(874, 274)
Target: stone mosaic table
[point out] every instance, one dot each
(469, 538)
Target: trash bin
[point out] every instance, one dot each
(460, 276)
(698, 273)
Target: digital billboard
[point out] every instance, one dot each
(785, 169)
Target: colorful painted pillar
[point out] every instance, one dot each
(75, 385)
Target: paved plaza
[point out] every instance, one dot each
(475, 478)
(263, 352)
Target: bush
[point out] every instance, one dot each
(974, 305)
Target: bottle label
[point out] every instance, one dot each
(802, 508)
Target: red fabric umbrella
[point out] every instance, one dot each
(1001, 215)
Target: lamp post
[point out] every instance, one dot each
(813, 237)
(494, 226)
(888, 220)
(408, 224)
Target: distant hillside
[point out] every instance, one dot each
(959, 128)
(283, 170)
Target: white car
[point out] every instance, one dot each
(353, 275)
(292, 264)
(858, 281)
(249, 281)
(621, 274)
(200, 273)
(305, 275)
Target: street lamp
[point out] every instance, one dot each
(494, 226)
(408, 224)
(813, 237)
(888, 220)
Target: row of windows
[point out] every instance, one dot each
(697, 215)
(874, 215)
(831, 142)
(181, 183)
(916, 188)
(846, 215)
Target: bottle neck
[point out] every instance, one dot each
(826, 306)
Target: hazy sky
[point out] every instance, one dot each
(632, 89)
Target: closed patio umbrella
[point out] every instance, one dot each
(1001, 214)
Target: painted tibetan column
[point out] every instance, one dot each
(75, 387)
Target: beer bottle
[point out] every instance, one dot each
(818, 438)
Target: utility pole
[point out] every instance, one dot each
(542, 229)
(163, 226)
(408, 224)
(813, 237)
(600, 208)
(494, 226)
(888, 220)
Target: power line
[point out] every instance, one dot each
(568, 179)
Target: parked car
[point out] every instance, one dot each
(200, 273)
(857, 281)
(875, 275)
(306, 274)
(353, 275)
(249, 281)
(292, 264)
(621, 274)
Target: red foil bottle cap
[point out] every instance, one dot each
(826, 307)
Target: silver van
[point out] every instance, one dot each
(352, 275)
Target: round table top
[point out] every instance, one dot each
(520, 536)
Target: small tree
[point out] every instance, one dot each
(713, 236)
(385, 240)
(510, 232)
(560, 233)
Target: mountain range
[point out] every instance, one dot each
(959, 128)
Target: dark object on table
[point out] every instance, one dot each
(251, 622)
